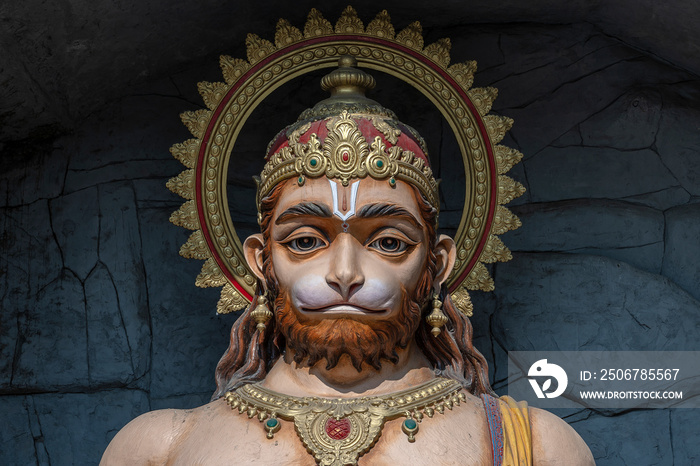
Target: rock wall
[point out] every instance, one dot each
(101, 320)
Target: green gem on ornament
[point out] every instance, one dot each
(380, 164)
(410, 428)
(272, 425)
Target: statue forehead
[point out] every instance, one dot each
(369, 191)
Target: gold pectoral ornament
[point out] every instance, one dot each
(337, 431)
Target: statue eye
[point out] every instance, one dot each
(389, 245)
(305, 244)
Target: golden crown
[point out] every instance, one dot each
(332, 140)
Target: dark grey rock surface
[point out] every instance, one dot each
(599, 173)
(619, 230)
(61, 61)
(602, 296)
(681, 262)
(637, 437)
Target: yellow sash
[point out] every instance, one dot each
(517, 437)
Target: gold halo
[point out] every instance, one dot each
(377, 47)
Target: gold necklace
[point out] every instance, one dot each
(337, 431)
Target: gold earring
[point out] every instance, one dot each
(261, 314)
(436, 319)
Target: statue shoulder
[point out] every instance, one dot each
(173, 436)
(148, 439)
(556, 442)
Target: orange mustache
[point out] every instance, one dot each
(329, 339)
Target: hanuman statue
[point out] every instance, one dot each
(352, 350)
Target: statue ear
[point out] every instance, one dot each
(446, 254)
(253, 250)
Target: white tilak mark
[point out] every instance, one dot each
(353, 199)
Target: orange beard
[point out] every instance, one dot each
(330, 338)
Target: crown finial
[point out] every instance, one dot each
(347, 81)
(347, 85)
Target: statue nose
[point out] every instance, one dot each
(345, 273)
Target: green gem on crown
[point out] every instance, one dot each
(272, 423)
(380, 164)
(313, 162)
(410, 424)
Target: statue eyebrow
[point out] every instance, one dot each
(386, 210)
(305, 208)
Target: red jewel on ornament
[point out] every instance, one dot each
(338, 429)
(346, 156)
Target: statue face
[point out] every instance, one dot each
(354, 258)
(335, 263)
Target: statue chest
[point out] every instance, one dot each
(459, 436)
